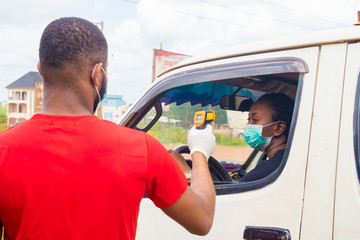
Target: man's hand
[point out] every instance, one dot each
(201, 141)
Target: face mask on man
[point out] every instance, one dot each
(102, 93)
(253, 136)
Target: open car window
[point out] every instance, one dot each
(167, 112)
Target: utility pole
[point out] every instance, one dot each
(101, 25)
(358, 23)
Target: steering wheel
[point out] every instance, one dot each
(217, 171)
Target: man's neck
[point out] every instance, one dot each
(66, 102)
(65, 110)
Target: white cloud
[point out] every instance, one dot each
(183, 26)
(127, 36)
(24, 12)
(18, 52)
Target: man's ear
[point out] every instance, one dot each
(280, 129)
(95, 75)
(39, 70)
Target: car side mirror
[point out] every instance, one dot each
(236, 103)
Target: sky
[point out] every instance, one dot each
(133, 28)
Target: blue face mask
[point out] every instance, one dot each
(253, 136)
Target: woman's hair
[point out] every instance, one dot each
(282, 108)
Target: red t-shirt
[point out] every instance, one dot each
(78, 177)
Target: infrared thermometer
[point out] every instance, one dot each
(201, 118)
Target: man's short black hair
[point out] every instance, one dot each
(72, 44)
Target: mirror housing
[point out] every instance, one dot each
(236, 103)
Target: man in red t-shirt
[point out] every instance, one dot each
(65, 174)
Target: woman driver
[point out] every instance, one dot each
(267, 130)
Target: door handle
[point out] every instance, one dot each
(266, 233)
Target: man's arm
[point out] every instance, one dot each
(194, 210)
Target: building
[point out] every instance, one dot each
(112, 107)
(24, 97)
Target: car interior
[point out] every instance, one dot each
(167, 112)
(231, 100)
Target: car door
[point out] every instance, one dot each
(318, 213)
(347, 199)
(274, 203)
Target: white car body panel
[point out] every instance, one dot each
(317, 195)
(347, 201)
(285, 193)
(320, 184)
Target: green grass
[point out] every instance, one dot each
(173, 135)
(168, 135)
(226, 140)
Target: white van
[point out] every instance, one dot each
(315, 192)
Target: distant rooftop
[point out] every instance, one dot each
(114, 96)
(113, 101)
(26, 81)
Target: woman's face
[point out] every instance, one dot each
(261, 114)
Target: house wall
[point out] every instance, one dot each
(112, 113)
(20, 104)
(112, 108)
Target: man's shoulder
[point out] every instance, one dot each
(123, 129)
(15, 134)
(113, 131)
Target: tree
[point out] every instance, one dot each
(179, 112)
(3, 114)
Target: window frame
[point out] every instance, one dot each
(253, 185)
(356, 128)
(24, 95)
(217, 73)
